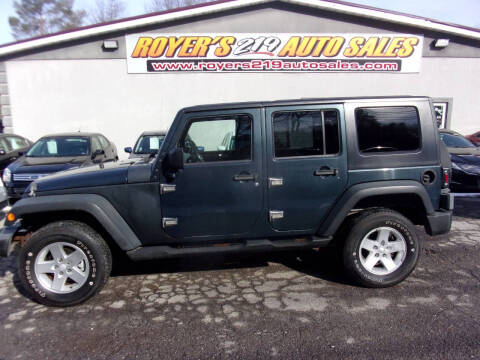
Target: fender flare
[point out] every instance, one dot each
(361, 191)
(95, 205)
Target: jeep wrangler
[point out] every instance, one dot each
(356, 174)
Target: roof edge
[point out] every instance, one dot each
(131, 23)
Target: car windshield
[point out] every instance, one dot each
(60, 146)
(456, 141)
(148, 144)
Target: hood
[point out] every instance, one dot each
(95, 175)
(464, 151)
(45, 165)
(466, 159)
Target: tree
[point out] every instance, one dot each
(106, 10)
(40, 17)
(160, 5)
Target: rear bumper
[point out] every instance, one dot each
(440, 222)
(6, 236)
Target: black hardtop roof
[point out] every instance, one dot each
(305, 101)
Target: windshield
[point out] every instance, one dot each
(148, 144)
(456, 141)
(61, 146)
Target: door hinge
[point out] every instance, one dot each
(167, 188)
(275, 215)
(168, 222)
(275, 182)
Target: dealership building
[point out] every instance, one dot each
(128, 76)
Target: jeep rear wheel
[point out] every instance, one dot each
(64, 263)
(381, 249)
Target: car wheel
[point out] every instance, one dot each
(381, 249)
(64, 263)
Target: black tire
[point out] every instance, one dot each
(359, 227)
(82, 236)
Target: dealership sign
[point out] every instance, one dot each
(151, 53)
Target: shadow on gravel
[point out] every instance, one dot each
(11, 267)
(320, 264)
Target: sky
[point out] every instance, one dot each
(463, 12)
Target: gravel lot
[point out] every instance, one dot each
(277, 306)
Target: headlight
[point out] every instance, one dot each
(473, 169)
(7, 175)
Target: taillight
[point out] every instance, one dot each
(446, 178)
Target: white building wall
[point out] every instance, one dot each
(49, 96)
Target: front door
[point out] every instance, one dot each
(219, 192)
(307, 164)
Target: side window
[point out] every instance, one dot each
(96, 144)
(4, 145)
(223, 138)
(16, 142)
(103, 141)
(306, 133)
(387, 129)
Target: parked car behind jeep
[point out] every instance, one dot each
(465, 157)
(147, 145)
(12, 147)
(54, 153)
(474, 138)
(353, 174)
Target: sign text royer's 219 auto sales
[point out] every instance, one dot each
(150, 53)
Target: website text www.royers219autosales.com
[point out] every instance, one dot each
(150, 53)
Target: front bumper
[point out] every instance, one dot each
(6, 236)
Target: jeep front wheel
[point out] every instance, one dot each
(64, 263)
(382, 248)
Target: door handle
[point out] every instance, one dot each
(244, 177)
(326, 171)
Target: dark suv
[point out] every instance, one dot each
(354, 174)
(54, 153)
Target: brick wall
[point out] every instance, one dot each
(5, 113)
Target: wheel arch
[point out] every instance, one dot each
(92, 209)
(392, 195)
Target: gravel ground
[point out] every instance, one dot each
(269, 306)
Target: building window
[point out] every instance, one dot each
(306, 133)
(387, 129)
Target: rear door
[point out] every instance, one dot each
(307, 164)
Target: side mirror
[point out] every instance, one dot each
(128, 150)
(97, 153)
(175, 159)
(2, 152)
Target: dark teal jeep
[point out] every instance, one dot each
(356, 174)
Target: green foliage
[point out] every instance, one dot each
(40, 17)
